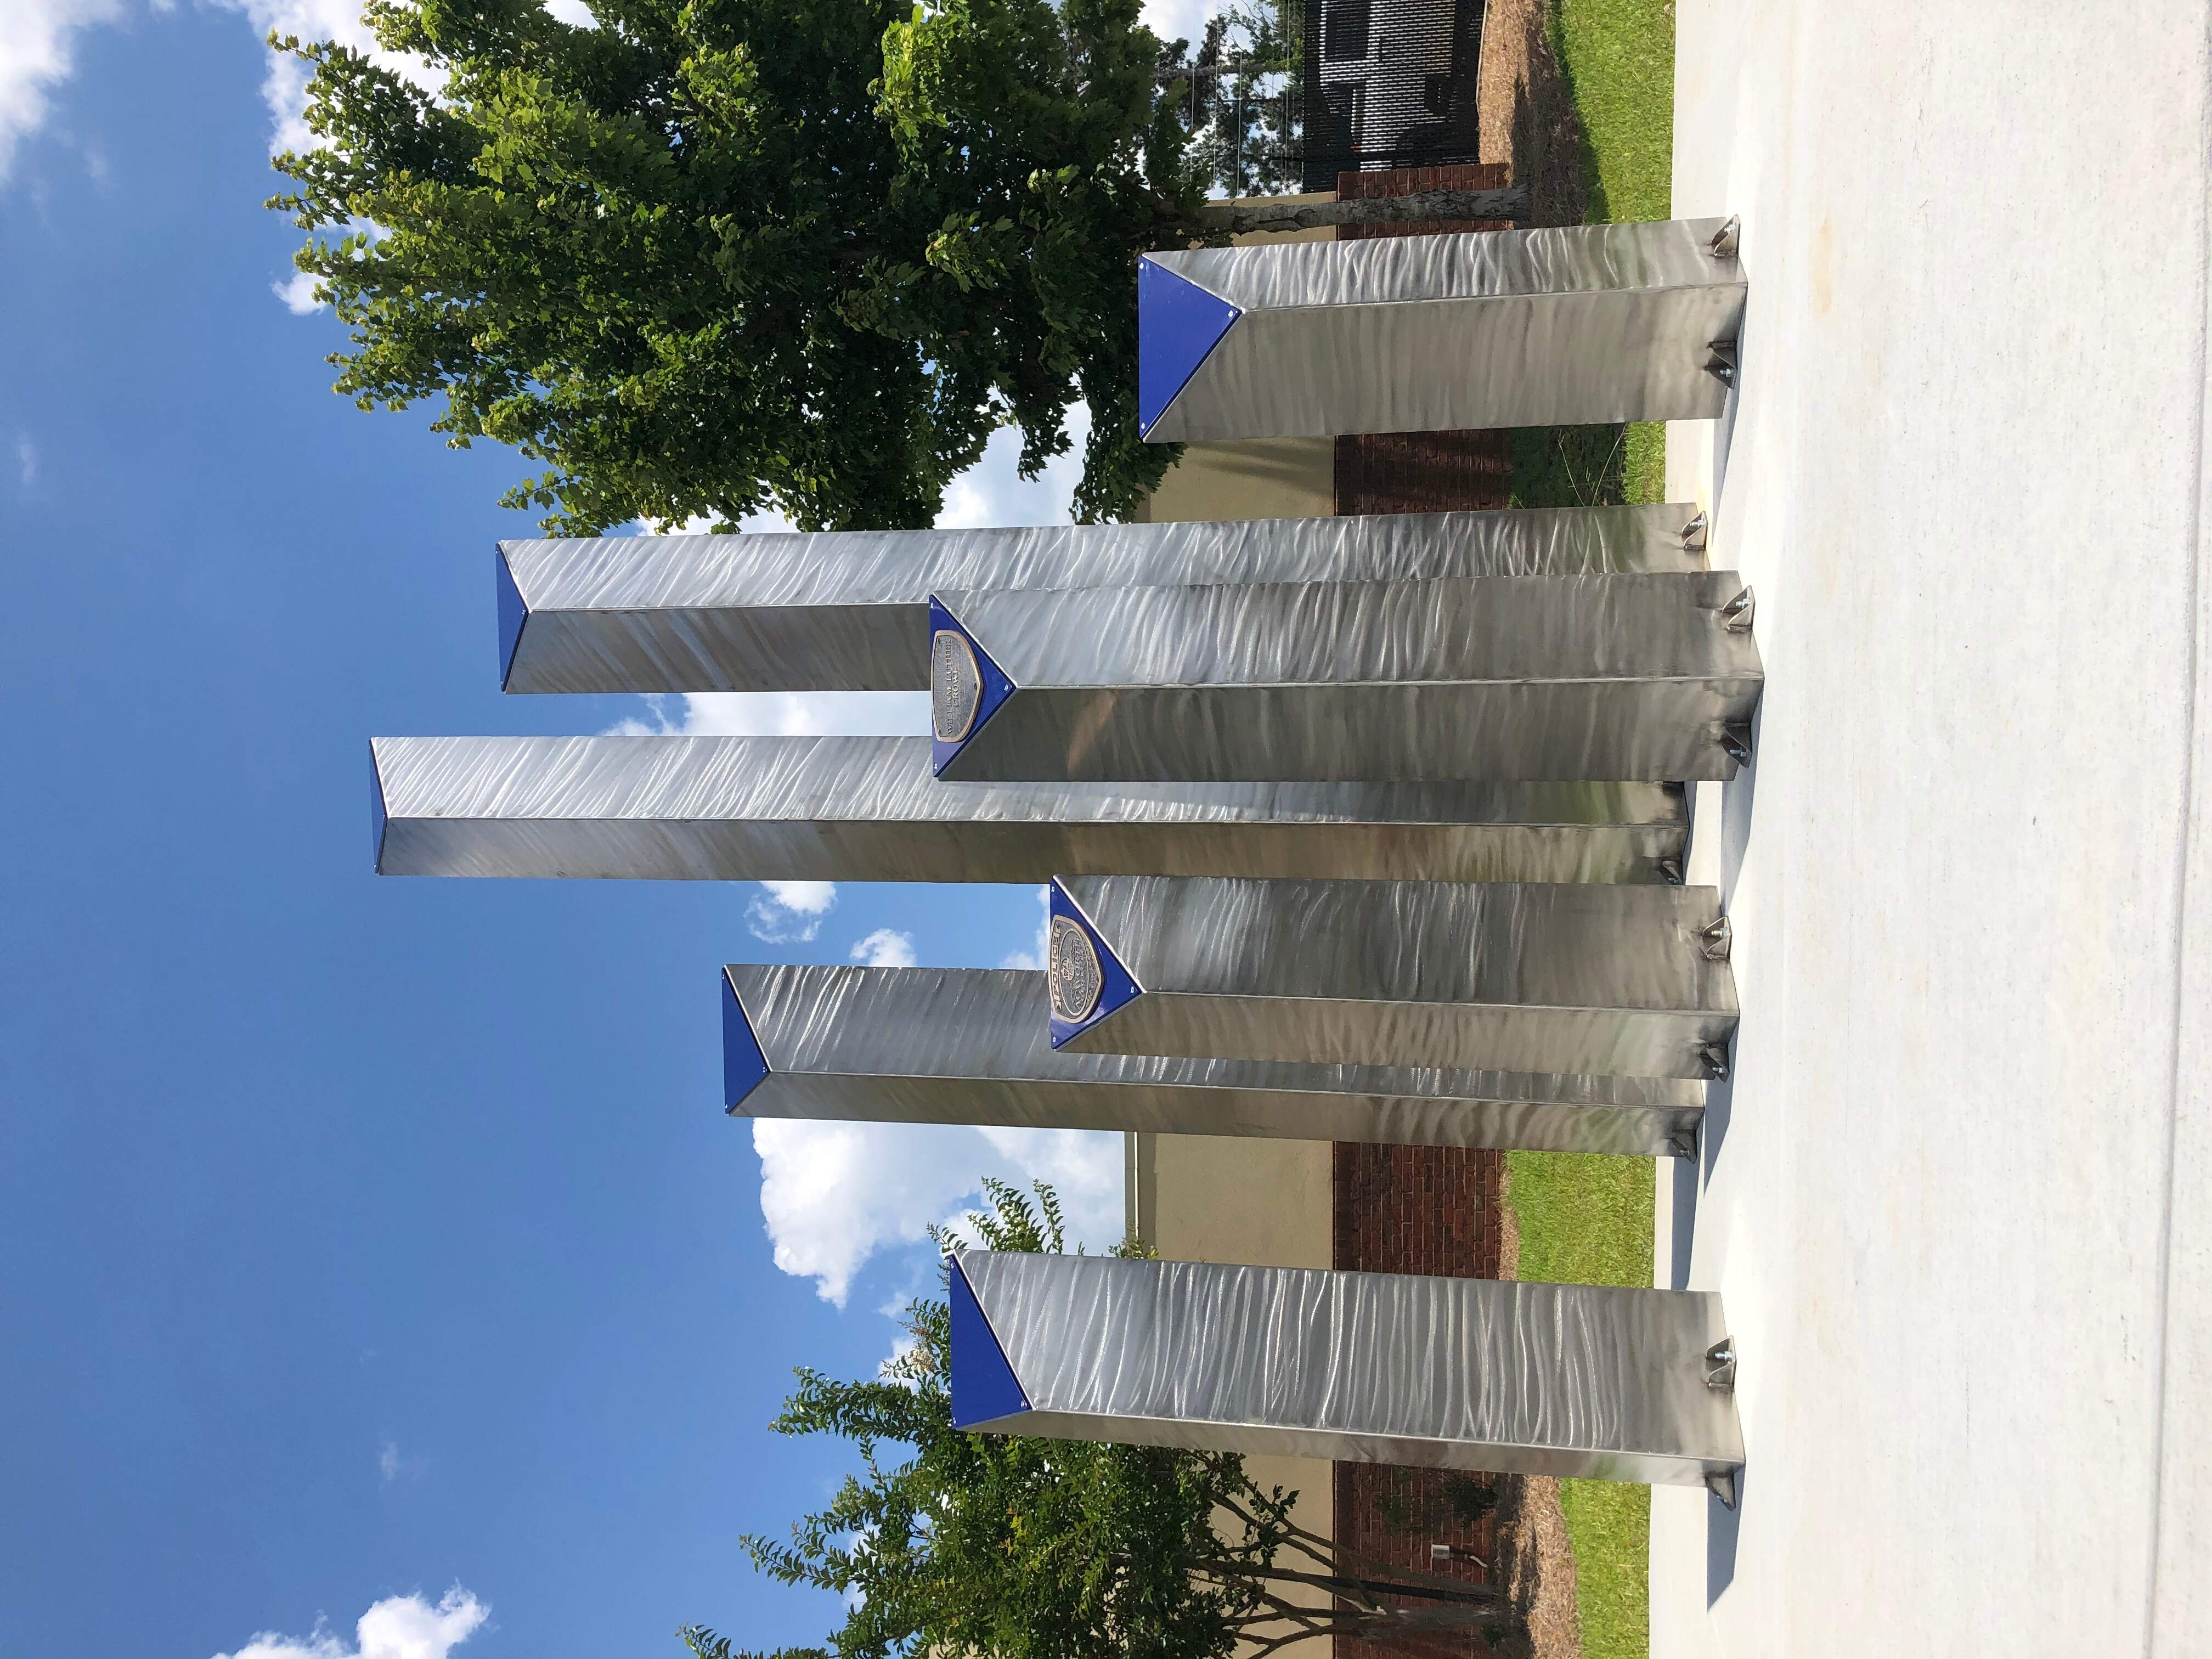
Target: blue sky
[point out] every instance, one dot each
(375, 1248)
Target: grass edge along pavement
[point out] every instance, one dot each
(1617, 57)
(1588, 1219)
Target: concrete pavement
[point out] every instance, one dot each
(1959, 1198)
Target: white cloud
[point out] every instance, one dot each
(284, 82)
(297, 294)
(35, 57)
(994, 492)
(787, 911)
(1034, 959)
(1083, 1166)
(573, 11)
(1180, 20)
(834, 1194)
(397, 1627)
(782, 713)
(392, 1463)
(884, 949)
(27, 459)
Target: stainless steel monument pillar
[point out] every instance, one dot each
(848, 611)
(1643, 677)
(928, 1045)
(864, 809)
(1619, 980)
(1571, 1380)
(1562, 327)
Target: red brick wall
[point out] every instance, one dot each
(1421, 471)
(1413, 1210)
(1409, 181)
(1416, 1209)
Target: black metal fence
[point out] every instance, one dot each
(1284, 95)
(1387, 83)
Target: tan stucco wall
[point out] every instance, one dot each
(1239, 1199)
(1217, 1198)
(1258, 478)
(1221, 1198)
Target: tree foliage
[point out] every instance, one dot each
(955, 1545)
(716, 256)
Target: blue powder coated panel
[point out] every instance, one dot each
(1117, 986)
(996, 686)
(377, 814)
(512, 613)
(1178, 324)
(744, 1065)
(984, 1386)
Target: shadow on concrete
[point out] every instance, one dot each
(1722, 1526)
(1724, 428)
(1720, 1108)
(1683, 1172)
(1692, 1175)
(1738, 798)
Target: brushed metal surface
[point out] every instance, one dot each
(1556, 327)
(931, 1045)
(1572, 1379)
(845, 611)
(1558, 978)
(1498, 678)
(864, 809)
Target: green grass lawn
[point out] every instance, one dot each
(1619, 56)
(1619, 59)
(1587, 1220)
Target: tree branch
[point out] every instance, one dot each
(1424, 206)
(1261, 1649)
(1340, 1583)
(1337, 1557)
(1352, 1587)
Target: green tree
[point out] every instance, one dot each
(715, 256)
(957, 1545)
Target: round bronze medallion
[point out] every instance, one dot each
(1073, 972)
(956, 686)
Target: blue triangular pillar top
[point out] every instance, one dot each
(1178, 325)
(512, 613)
(984, 1386)
(995, 686)
(745, 1067)
(1117, 986)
